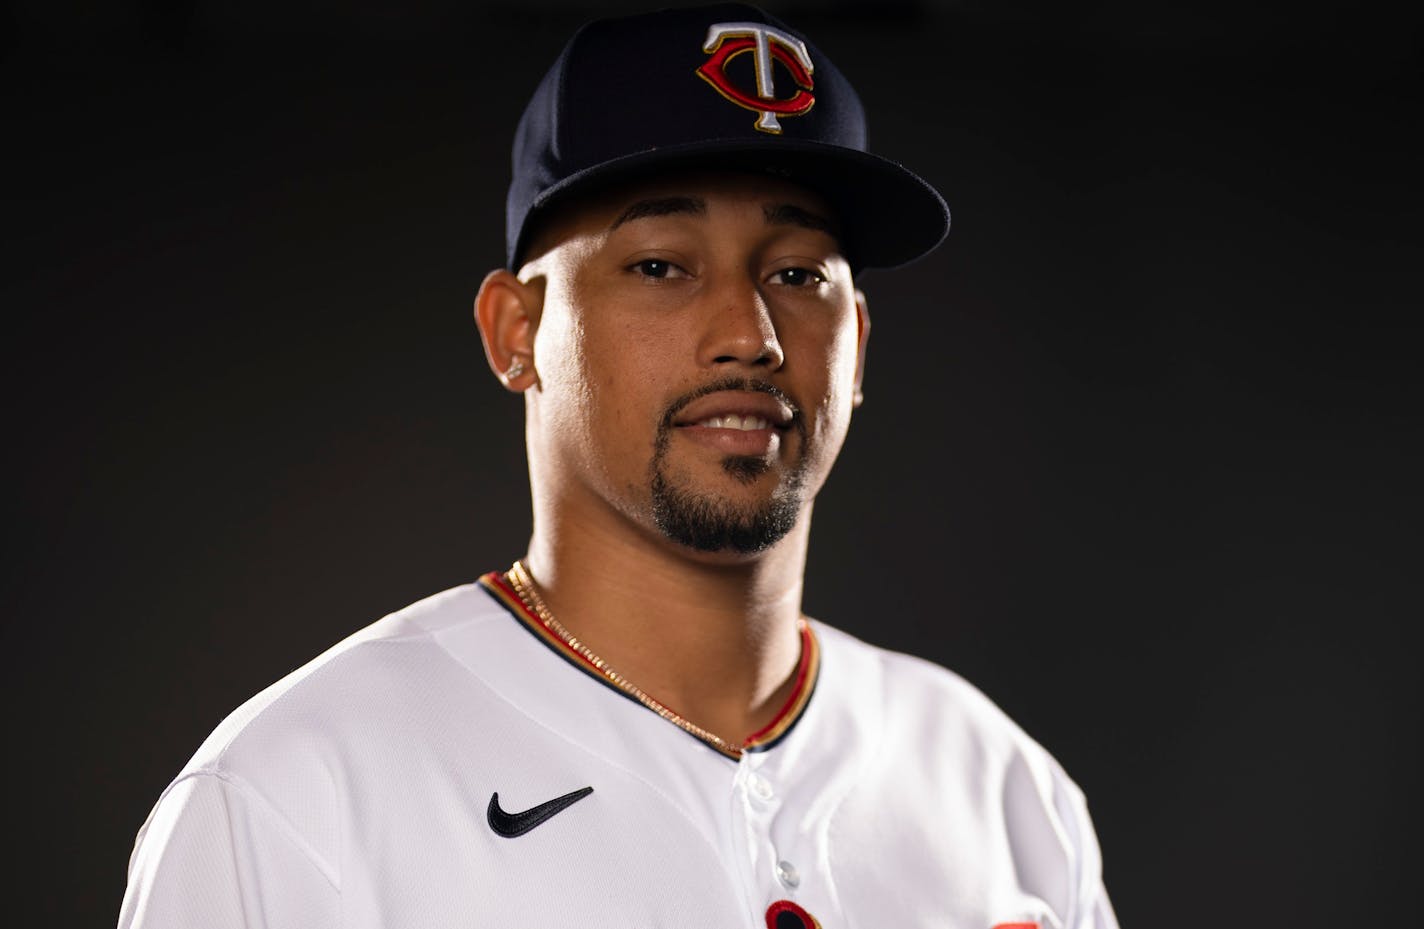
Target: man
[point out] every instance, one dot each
(634, 725)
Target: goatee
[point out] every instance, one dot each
(708, 522)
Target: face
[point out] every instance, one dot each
(697, 350)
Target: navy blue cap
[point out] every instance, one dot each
(727, 87)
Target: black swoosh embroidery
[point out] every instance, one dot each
(510, 825)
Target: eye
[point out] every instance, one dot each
(657, 269)
(798, 277)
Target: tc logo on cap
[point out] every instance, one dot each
(725, 41)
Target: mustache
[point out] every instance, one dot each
(730, 383)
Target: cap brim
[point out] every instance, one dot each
(889, 215)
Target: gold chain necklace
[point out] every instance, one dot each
(523, 583)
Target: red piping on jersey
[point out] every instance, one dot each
(806, 672)
(807, 669)
(514, 602)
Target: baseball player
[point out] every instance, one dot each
(634, 724)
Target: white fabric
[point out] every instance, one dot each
(353, 793)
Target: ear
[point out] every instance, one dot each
(507, 312)
(862, 336)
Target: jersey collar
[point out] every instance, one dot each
(807, 669)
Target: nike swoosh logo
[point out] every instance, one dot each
(510, 825)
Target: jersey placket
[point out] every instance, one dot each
(776, 859)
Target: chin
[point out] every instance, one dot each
(739, 524)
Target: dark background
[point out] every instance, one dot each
(1139, 455)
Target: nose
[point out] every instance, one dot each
(739, 328)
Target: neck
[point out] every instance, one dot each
(715, 640)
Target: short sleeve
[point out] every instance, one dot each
(1091, 909)
(214, 854)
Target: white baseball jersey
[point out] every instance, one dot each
(359, 792)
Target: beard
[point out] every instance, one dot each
(708, 522)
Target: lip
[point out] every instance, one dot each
(741, 403)
(733, 441)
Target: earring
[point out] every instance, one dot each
(857, 399)
(515, 369)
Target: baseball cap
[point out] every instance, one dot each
(726, 87)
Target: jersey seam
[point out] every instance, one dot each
(255, 798)
(339, 650)
(835, 810)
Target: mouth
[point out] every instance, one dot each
(746, 420)
(741, 410)
(732, 421)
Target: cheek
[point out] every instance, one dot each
(836, 353)
(610, 365)
(844, 355)
(565, 388)
(830, 385)
(600, 386)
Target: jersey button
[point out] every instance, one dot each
(786, 873)
(760, 787)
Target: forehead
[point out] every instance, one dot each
(685, 193)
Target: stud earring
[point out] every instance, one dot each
(515, 369)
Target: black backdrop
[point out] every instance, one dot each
(1138, 456)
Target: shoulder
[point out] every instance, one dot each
(921, 709)
(372, 676)
(920, 691)
(934, 750)
(281, 762)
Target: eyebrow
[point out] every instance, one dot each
(787, 214)
(661, 206)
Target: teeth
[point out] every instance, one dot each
(744, 423)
